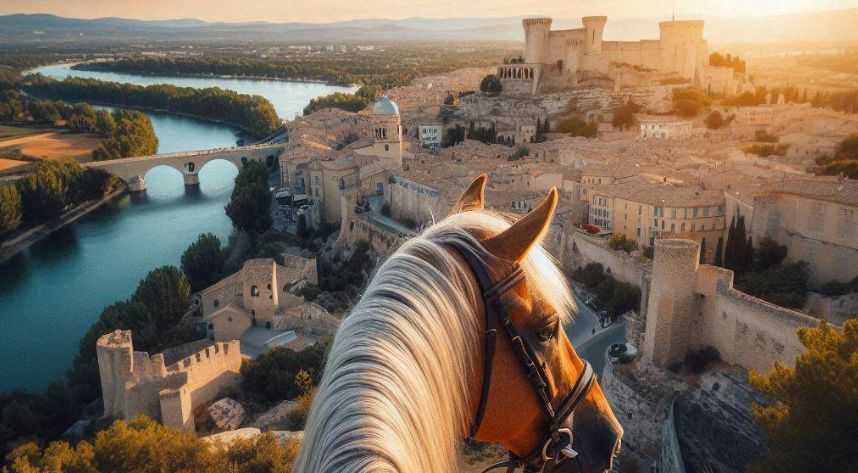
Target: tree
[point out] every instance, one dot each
(250, 208)
(624, 117)
(491, 85)
(703, 251)
(203, 261)
(812, 409)
(784, 284)
(449, 99)
(10, 210)
(132, 135)
(769, 253)
(44, 193)
(730, 246)
(719, 252)
(715, 120)
(167, 295)
(272, 376)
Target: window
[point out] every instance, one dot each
(696, 212)
(639, 231)
(269, 287)
(254, 291)
(229, 319)
(672, 228)
(693, 227)
(705, 211)
(672, 213)
(682, 227)
(316, 179)
(216, 303)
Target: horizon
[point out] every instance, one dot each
(359, 11)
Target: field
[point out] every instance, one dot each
(11, 166)
(48, 143)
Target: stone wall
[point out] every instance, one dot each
(314, 320)
(409, 200)
(671, 454)
(134, 383)
(577, 249)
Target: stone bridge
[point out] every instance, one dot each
(189, 163)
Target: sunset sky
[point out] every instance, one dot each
(336, 10)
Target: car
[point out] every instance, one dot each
(589, 303)
(623, 352)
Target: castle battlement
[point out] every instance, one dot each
(136, 383)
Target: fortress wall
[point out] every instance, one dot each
(411, 200)
(578, 249)
(224, 295)
(642, 53)
(753, 333)
(313, 320)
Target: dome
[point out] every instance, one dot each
(385, 106)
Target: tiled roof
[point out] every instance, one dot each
(845, 192)
(661, 194)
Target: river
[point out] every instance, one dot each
(51, 293)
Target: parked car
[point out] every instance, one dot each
(622, 352)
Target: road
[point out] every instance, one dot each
(590, 346)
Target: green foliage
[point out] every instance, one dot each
(738, 252)
(203, 262)
(453, 136)
(249, 207)
(689, 101)
(812, 410)
(769, 253)
(768, 149)
(131, 135)
(491, 85)
(697, 360)
(577, 126)
(719, 252)
(273, 376)
(254, 113)
(613, 296)
(519, 153)
(618, 241)
(624, 117)
(844, 161)
(10, 210)
(46, 193)
(343, 101)
(835, 288)
(715, 120)
(343, 284)
(735, 62)
(143, 445)
(784, 284)
(761, 135)
(482, 134)
(167, 295)
(746, 99)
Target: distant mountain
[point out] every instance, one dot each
(831, 26)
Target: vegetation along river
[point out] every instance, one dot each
(52, 292)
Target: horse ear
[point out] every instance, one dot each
(514, 243)
(474, 196)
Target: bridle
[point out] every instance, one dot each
(558, 445)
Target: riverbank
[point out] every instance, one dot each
(10, 248)
(297, 80)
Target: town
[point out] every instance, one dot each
(706, 222)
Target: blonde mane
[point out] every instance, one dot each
(394, 393)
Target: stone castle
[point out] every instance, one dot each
(168, 386)
(558, 60)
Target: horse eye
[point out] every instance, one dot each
(546, 333)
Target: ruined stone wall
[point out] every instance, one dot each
(578, 249)
(670, 460)
(313, 320)
(307, 266)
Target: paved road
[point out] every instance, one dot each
(593, 350)
(583, 324)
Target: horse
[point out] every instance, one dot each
(406, 371)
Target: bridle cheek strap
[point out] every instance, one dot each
(558, 446)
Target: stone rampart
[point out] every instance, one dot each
(578, 249)
(134, 383)
(670, 460)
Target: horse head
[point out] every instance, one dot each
(514, 414)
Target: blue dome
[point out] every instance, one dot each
(385, 106)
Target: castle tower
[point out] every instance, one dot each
(536, 31)
(594, 26)
(671, 300)
(387, 131)
(115, 366)
(683, 49)
(259, 289)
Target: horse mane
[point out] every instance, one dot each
(395, 390)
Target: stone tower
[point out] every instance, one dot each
(594, 27)
(387, 131)
(683, 49)
(671, 300)
(115, 364)
(259, 288)
(536, 31)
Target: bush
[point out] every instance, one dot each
(784, 284)
(698, 360)
(577, 126)
(519, 153)
(620, 242)
(767, 149)
(273, 376)
(714, 121)
(491, 85)
(689, 101)
(835, 288)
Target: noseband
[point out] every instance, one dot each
(559, 441)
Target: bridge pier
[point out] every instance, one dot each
(192, 179)
(137, 184)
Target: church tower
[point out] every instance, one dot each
(387, 131)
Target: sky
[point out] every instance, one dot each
(323, 11)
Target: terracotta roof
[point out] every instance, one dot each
(845, 192)
(661, 194)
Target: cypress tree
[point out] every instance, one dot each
(719, 252)
(729, 248)
(748, 256)
(703, 251)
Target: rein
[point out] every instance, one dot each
(558, 446)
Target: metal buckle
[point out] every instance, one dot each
(566, 451)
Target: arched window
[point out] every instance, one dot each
(254, 291)
(387, 147)
(269, 287)
(216, 303)
(229, 319)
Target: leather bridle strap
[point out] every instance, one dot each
(558, 446)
